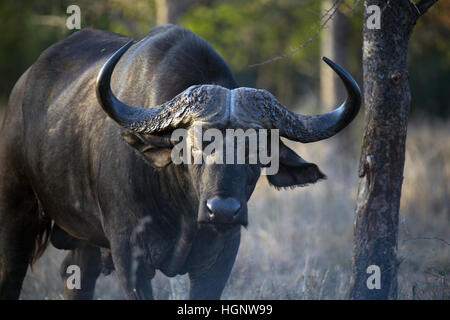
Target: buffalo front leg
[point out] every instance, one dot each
(88, 259)
(208, 278)
(131, 268)
(18, 233)
(20, 227)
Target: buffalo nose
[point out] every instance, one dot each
(223, 209)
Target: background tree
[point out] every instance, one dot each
(260, 29)
(334, 41)
(304, 236)
(168, 11)
(387, 100)
(334, 44)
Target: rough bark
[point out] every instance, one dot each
(387, 102)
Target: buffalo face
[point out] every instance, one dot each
(223, 184)
(222, 189)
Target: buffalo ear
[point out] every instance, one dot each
(294, 171)
(156, 150)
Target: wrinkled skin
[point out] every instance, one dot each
(106, 196)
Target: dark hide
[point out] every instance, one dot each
(110, 192)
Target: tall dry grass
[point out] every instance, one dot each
(299, 242)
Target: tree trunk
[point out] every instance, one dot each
(387, 102)
(333, 45)
(334, 41)
(168, 11)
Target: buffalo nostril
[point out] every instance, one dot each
(236, 208)
(223, 207)
(209, 206)
(210, 210)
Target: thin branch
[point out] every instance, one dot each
(131, 26)
(428, 238)
(355, 4)
(423, 5)
(320, 26)
(386, 5)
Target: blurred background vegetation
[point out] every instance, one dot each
(244, 33)
(299, 242)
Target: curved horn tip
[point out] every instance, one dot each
(335, 66)
(137, 119)
(113, 59)
(343, 74)
(105, 97)
(325, 59)
(318, 127)
(330, 62)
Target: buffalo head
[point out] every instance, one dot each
(223, 189)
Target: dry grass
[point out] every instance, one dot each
(298, 243)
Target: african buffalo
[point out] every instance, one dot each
(94, 172)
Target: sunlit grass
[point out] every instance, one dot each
(298, 243)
